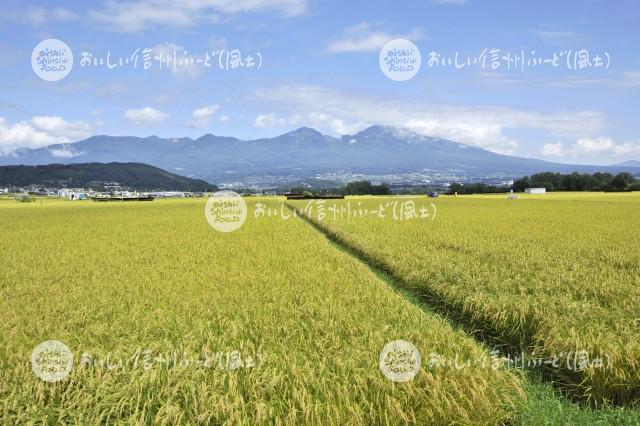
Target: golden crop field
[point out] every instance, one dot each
(146, 294)
(555, 277)
(170, 321)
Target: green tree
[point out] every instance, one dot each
(364, 187)
(622, 181)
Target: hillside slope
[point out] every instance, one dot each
(133, 175)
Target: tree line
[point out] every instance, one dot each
(359, 187)
(578, 182)
(476, 188)
(551, 181)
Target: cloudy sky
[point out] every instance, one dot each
(315, 63)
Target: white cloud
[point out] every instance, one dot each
(224, 119)
(65, 151)
(629, 79)
(327, 121)
(553, 150)
(201, 116)
(146, 116)
(556, 36)
(593, 145)
(592, 149)
(365, 38)
(604, 145)
(483, 126)
(38, 16)
(59, 127)
(38, 132)
(263, 121)
(624, 80)
(137, 15)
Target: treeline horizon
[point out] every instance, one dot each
(571, 182)
(551, 181)
(358, 187)
(575, 181)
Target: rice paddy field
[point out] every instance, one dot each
(554, 275)
(283, 321)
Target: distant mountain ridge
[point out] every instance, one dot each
(302, 153)
(132, 175)
(629, 163)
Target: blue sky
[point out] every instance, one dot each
(320, 69)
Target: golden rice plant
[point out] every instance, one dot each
(555, 276)
(139, 290)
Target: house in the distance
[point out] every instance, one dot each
(535, 190)
(72, 194)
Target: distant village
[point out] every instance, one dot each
(109, 190)
(538, 183)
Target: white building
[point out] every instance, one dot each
(535, 190)
(72, 194)
(167, 194)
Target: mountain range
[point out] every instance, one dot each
(303, 154)
(629, 163)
